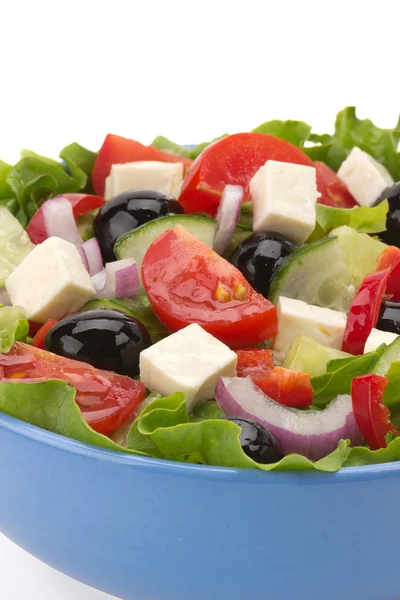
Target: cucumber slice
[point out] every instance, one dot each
(316, 273)
(308, 356)
(390, 355)
(14, 244)
(361, 252)
(135, 243)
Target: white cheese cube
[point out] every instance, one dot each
(378, 337)
(284, 197)
(189, 361)
(295, 317)
(166, 177)
(50, 282)
(364, 176)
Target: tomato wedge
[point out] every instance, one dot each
(82, 204)
(38, 340)
(117, 150)
(364, 312)
(187, 282)
(336, 193)
(285, 386)
(390, 259)
(234, 160)
(371, 415)
(106, 399)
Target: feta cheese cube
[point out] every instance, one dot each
(295, 317)
(364, 176)
(166, 177)
(50, 282)
(284, 197)
(189, 361)
(378, 337)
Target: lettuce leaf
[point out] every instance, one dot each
(79, 160)
(391, 397)
(13, 326)
(166, 145)
(164, 430)
(339, 375)
(361, 455)
(361, 218)
(295, 132)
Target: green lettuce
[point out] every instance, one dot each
(166, 145)
(13, 326)
(79, 159)
(361, 218)
(361, 455)
(391, 396)
(295, 132)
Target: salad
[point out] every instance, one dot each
(235, 304)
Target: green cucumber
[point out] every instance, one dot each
(308, 356)
(14, 244)
(390, 355)
(135, 243)
(316, 273)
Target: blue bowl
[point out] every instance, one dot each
(145, 529)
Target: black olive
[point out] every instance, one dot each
(389, 317)
(105, 338)
(126, 212)
(392, 234)
(257, 442)
(258, 257)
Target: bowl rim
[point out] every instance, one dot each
(168, 467)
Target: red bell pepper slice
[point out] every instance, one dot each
(371, 415)
(82, 204)
(290, 388)
(390, 259)
(364, 312)
(38, 340)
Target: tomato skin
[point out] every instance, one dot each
(82, 204)
(285, 386)
(38, 340)
(390, 259)
(371, 415)
(187, 282)
(117, 149)
(364, 312)
(106, 399)
(334, 191)
(233, 160)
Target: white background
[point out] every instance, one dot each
(74, 71)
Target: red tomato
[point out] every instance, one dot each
(234, 160)
(390, 259)
(371, 415)
(336, 193)
(117, 150)
(38, 340)
(364, 312)
(187, 282)
(82, 204)
(285, 386)
(106, 399)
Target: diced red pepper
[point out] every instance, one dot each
(390, 259)
(290, 388)
(364, 312)
(38, 340)
(371, 415)
(82, 204)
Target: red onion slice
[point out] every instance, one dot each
(312, 433)
(119, 279)
(228, 216)
(59, 220)
(92, 252)
(82, 254)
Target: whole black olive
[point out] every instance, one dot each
(257, 442)
(389, 317)
(126, 212)
(258, 257)
(392, 234)
(105, 338)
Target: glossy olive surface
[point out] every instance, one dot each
(128, 211)
(389, 317)
(392, 234)
(107, 339)
(258, 257)
(257, 442)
